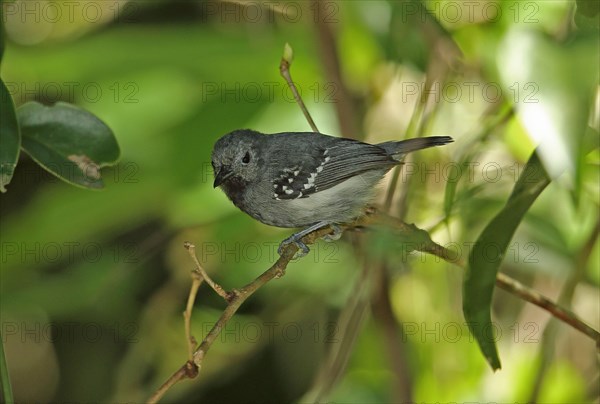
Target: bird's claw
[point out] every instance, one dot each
(302, 248)
(336, 235)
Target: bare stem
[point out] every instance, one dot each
(187, 371)
(284, 69)
(215, 286)
(237, 296)
(187, 314)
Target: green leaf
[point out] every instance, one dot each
(552, 100)
(69, 142)
(454, 177)
(10, 138)
(587, 15)
(488, 252)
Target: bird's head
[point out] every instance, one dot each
(235, 158)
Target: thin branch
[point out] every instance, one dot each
(284, 69)
(238, 296)
(549, 336)
(187, 314)
(277, 270)
(532, 296)
(215, 286)
(503, 281)
(187, 371)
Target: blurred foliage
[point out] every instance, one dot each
(93, 283)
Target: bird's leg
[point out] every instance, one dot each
(302, 248)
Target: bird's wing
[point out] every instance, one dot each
(324, 167)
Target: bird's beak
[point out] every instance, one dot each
(221, 176)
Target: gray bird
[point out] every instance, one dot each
(305, 179)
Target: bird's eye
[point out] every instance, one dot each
(246, 158)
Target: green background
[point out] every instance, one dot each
(93, 283)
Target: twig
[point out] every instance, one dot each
(284, 69)
(503, 281)
(236, 297)
(532, 296)
(549, 335)
(187, 371)
(187, 314)
(215, 286)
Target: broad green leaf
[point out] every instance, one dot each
(69, 142)
(552, 86)
(488, 252)
(10, 138)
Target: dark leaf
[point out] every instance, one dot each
(488, 252)
(10, 138)
(69, 142)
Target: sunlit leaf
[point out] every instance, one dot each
(68, 141)
(488, 252)
(553, 100)
(10, 138)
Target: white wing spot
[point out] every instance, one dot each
(289, 191)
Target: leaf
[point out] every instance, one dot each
(553, 100)
(454, 177)
(488, 252)
(69, 142)
(10, 138)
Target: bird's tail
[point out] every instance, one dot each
(399, 149)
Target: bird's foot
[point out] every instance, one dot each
(294, 239)
(336, 235)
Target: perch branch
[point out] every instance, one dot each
(237, 296)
